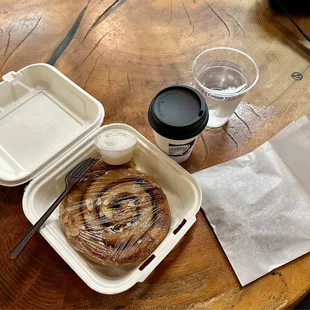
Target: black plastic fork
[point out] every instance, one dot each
(74, 176)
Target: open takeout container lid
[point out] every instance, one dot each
(43, 115)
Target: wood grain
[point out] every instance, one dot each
(122, 53)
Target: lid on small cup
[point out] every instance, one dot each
(178, 113)
(115, 140)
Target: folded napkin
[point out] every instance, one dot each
(259, 203)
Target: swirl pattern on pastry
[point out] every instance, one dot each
(115, 217)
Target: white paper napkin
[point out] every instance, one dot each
(259, 203)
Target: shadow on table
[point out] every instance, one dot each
(305, 304)
(289, 35)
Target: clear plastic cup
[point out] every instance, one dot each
(224, 75)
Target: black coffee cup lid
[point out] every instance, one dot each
(178, 113)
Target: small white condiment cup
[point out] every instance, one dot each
(116, 146)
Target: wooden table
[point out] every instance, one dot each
(123, 52)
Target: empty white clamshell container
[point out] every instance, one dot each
(48, 125)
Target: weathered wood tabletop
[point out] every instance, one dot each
(123, 52)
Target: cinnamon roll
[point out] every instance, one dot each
(115, 216)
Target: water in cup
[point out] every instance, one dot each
(226, 79)
(224, 75)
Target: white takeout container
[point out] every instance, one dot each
(48, 125)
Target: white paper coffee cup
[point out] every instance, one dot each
(178, 114)
(179, 150)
